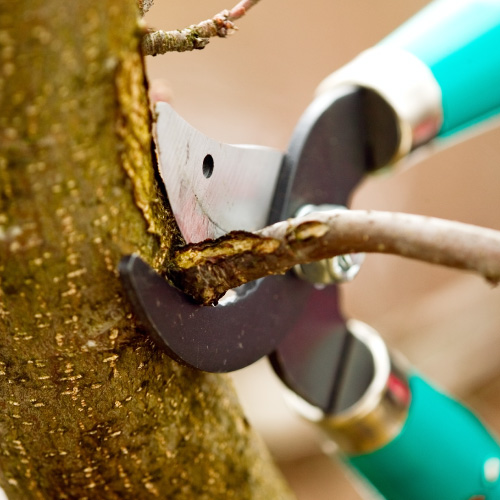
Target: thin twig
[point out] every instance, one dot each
(144, 6)
(196, 36)
(207, 270)
(241, 9)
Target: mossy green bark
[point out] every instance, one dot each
(89, 408)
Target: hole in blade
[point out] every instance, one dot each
(208, 166)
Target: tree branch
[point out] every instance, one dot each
(208, 269)
(241, 9)
(144, 6)
(196, 36)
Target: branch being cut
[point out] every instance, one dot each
(208, 269)
(196, 36)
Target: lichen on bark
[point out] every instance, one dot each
(89, 408)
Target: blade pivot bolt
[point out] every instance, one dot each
(339, 269)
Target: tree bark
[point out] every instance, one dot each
(89, 407)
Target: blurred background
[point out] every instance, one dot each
(252, 88)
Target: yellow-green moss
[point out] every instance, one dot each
(89, 408)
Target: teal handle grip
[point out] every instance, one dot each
(459, 40)
(442, 453)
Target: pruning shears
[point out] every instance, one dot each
(435, 76)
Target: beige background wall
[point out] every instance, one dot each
(252, 88)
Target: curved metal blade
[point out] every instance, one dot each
(213, 188)
(223, 338)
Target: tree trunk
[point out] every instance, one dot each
(89, 407)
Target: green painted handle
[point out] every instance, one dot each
(459, 40)
(442, 453)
